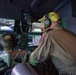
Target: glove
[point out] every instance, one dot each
(32, 61)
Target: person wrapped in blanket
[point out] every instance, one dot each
(58, 43)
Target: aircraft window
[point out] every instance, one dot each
(36, 30)
(36, 27)
(33, 39)
(6, 24)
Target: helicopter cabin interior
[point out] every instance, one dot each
(20, 17)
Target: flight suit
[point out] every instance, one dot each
(60, 44)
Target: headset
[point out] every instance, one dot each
(47, 22)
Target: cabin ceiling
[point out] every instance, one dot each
(11, 8)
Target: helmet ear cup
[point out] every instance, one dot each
(47, 22)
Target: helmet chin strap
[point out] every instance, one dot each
(51, 27)
(47, 29)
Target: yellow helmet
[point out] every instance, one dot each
(53, 16)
